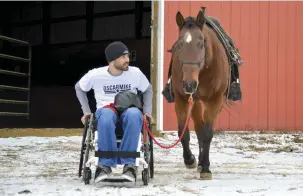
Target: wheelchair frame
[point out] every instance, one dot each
(90, 143)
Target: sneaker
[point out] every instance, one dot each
(129, 172)
(102, 172)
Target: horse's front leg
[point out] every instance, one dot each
(205, 135)
(196, 115)
(181, 108)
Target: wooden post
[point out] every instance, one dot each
(154, 61)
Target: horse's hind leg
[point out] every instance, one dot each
(181, 108)
(205, 135)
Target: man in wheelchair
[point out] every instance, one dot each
(107, 81)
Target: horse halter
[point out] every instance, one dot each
(192, 62)
(177, 46)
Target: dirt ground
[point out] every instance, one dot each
(48, 132)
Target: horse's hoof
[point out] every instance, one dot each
(206, 176)
(192, 163)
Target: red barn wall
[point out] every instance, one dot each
(269, 36)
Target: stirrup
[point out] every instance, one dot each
(167, 92)
(235, 93)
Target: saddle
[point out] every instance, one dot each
(234, 60)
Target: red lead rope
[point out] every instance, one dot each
(190, 101)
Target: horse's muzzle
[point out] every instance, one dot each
(190, 87)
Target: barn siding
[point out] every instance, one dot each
(269, 36)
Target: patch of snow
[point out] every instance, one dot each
(242, 164)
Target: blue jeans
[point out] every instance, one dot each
(131, 121)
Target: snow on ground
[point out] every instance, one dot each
(242, 164)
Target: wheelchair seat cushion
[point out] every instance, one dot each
(127, 99)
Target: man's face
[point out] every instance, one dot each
(122, 62)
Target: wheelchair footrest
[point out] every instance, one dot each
(116, 179)
(111, 154)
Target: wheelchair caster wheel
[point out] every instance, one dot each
(145, 176)
(87, 175)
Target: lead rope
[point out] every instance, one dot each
(190, 103)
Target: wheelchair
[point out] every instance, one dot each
(90, 145)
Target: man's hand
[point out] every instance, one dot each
(148, 116)
(83, 118)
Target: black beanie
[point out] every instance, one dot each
(115, 50)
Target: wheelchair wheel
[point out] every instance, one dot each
(145, 177)
(151, 160)
(86, 147)
(83, 146)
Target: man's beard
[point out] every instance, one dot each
(122, 67)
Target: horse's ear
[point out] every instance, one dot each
(200, 19)
(179, 19)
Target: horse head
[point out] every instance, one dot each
(190, 49)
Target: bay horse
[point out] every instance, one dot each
(200, 71)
